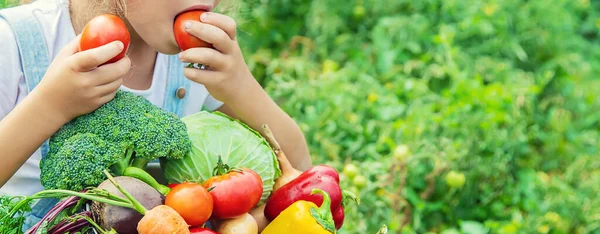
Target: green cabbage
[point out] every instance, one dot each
(216, 134)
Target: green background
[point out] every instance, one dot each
(458, 116)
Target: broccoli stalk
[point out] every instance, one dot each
(122, 164)
(123, 136)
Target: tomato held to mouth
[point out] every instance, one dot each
(104, 29)
(182, 37)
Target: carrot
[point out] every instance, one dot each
(162, 219)
(288, 172)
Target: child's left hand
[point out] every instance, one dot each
(228, 74)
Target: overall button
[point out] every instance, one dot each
(180, 93)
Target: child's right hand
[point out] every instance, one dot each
(76, 84)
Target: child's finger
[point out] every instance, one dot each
(206, 56)
(211, 34)
(106, 98)
(71, 48)
(89, 59)
(221, 21)
(109, 88)
(204, 77)
(110, 72)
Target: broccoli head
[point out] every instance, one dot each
(128, 131)
(84, 152)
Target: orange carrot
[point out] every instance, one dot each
(162, 219)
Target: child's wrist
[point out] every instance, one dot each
(48, 110)
(246, 90)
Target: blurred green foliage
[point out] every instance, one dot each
(460, 116)
(445, 116)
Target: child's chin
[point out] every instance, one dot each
(169, 49)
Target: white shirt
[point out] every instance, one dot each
(58, 31)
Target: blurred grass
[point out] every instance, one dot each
(459, 116)
(8, 3)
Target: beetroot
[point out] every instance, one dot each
(121, 219)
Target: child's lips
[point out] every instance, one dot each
(196, 7)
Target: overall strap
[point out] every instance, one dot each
(177, 86)
(31, 43)
(30, 39)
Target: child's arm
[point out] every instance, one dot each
(229, 80)
(22, 132)
(73, 85)
(256, 108)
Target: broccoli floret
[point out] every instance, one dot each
(130, 118)
(107, 138)
(84, 152)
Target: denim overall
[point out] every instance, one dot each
(35, 59)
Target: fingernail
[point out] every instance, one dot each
(204, 16)
(188, 24)
(120, 45)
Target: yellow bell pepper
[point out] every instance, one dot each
(304, 217)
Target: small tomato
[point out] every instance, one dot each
(102, 30)
(359, 11)
(182, 37)
(401, 153)
(359, 181)
(192, 201)
(234, 191)
(350, 170)
(455, 179)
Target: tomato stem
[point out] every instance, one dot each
(221, 168)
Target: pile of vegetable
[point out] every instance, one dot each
(222, 176)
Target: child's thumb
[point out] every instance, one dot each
(89, 59)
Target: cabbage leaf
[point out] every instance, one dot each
(215, 134)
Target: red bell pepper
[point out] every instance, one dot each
(323, 177)
(338, 217)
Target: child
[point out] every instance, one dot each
(45, 82)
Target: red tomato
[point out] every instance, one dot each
(183, 38)
(235, 192)
(202, 231)
(192, 202)
(102, 30)
(172, 185)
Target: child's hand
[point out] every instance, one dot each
(74, 84)
(227, 74)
